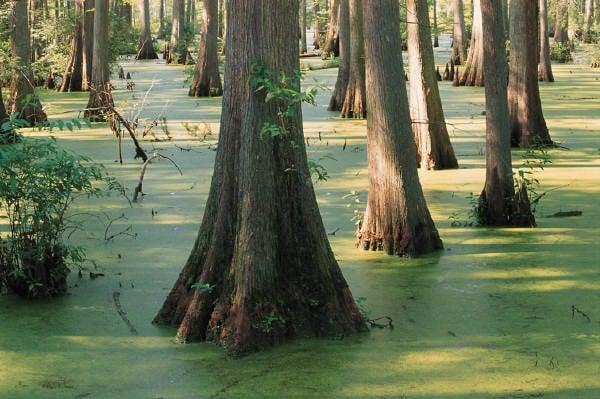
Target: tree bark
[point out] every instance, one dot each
(459, 52)
(527, 123)
(397, 219)
(545, 65)
(436, 39)
(303, 47)
(24, 101)
(473, 71)
(341, 85)
(499, 205)
(260, 271)
(331, 44)
(316, 25)
(145, 47)
(561, 22)
(207, 81)
(588, 20)
(161, 19)
(73, 76)
(177, 46)
(355, 103)
(88, 44)
(100, 91)
(434, 150)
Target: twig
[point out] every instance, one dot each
(138, 188)
(575, 310)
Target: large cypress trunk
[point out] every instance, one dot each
(473, 72)
(355, 102)
(396, 220)
(459, 52)
(207, 81)
(527, 123)
(499, 205)
(341, 85)
(261, 271)
(545, 65)
(73, 75)
(331, 44)
(100, 92)
(88, 44)
(177, 47)
(23, 97)
(434, 150)
(145, 47)
(561, 22)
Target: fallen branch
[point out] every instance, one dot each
(566, 214)
(138, 188)
(122, 313)
(575, 310)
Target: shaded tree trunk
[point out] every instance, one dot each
(434, 150)
(397, 219)
(459, 52)
(331, 44)
(24, 101)
(316, 25)
(260, 271)
(207, 81)
(473, 71)
(527, 123)
(145, 47)
(545, 65)
(436, 39)
(341, 85)
(303, 49)
(355, 103)
(73, 76)
(88, 44)
(100, 92)
(177, 46)
(161, 20)
(588, 21)
(499, 205)
(561, 22)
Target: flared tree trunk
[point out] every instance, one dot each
(145, 47)
(316, 26)
(331, 44)
(397, 219)
(303, 47)
(24, 101)
(73, 75)
(561, 22)
(100, 92)
(260, 271)
(177, 47)
(341, 85)
(434, 150)
(459, 35)
(472, 74)
(355, 103)
(588, 21)
(527, 123)
(545, 65)
(88, 44)
(207, 81)
(499, 205)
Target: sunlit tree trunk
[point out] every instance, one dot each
(545, 66)
(355, 105)
(145, 47)
(434, 150)
(88, 44)
(472, 74)
(499, 205)
(23, 98)
(588, 20)
(316, 25)
(261, 270)
(177, 46)
(527, 123)
(341, 85)
(561, 22)
(397, 219)
(207, 81)
(73, 76)
(459, 52)
(331, 44)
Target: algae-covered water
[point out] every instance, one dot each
(489, 317)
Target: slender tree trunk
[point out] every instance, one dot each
(397, 219)
(260, 271)
(161, 19)
(589, 20)
(207, 81)
(73, 75)
(545, 66)
(459, 52)
(505, 18)
(88, 44)
(527, 123)
(341, 85)
(316, 25)
(499, 205)
(355, 103)
(561, 22)
(177, 46)
(434, 150)
(145, 47)
(100, 92)
(23, 98)
(473, 71)
(436, 39)
(331, 44)
(303, 47)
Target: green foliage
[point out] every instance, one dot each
(562, 53)
(468, 217)
(534, 159)
(123, 38)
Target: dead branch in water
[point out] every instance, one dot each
(138, 188)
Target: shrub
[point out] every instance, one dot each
(562, 52)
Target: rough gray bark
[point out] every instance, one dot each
(499, 205)
(341, 85)
(434, 150)
(145, 46)
(397, 219)
(545, 65)
(527, 123)
(459, 52)
(261, 271)
(355, 105)
(472, 74)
